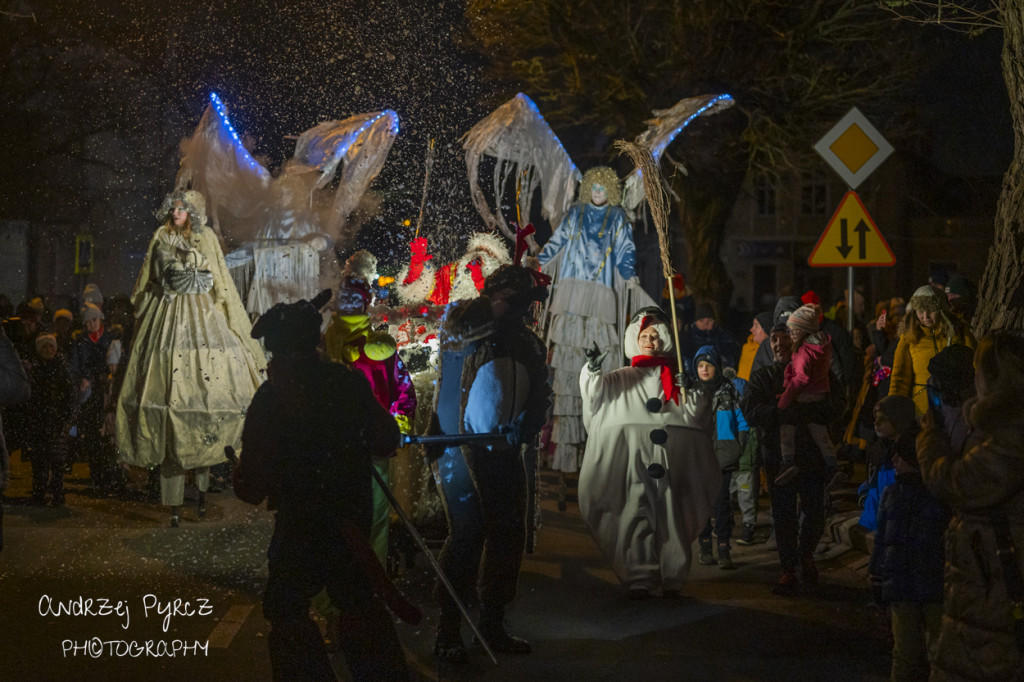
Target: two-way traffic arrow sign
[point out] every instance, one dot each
(834, 246)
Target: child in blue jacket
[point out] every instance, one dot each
(730, 438)
(907, 562)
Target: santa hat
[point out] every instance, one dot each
(491, 250)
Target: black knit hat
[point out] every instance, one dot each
(703, 310)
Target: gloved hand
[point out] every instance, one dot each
(684, 380)
(595, 358)
(514, 434)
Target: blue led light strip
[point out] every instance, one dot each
(661, 147)
(218, 106)
(341, 151)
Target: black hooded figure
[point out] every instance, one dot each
(310, 435)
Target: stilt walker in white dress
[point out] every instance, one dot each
(193, 367)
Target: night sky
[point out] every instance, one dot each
(283, 67)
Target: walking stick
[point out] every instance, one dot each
(433, 562)
(658, 201)
(428, 165)
(418, 539)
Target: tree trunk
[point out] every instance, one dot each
(1001, 292)
(707, 199)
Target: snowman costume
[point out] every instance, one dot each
(649, 475)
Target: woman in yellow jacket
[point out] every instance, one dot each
(928, 327)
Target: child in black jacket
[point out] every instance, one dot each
(907, 562)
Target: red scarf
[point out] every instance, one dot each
(95, 337)
(668, 372)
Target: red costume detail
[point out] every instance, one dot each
(521, 246)
(476, 270)
(442, 286)
(418, 249)
(668, 373)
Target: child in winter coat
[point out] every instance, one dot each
(907, 562)
(894, 418)
(50, 411)
(806, 381)
(730, 437)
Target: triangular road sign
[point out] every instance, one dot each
(851, 238)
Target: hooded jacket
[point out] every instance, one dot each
(731, 430)
(977, 640)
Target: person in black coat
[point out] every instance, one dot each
(90, 371)
(907, 562)
(50, 411)
(798, 508)
(705, 332)
(310, 436)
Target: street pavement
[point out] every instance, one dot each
(727, 626)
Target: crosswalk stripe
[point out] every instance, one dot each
(229, 626)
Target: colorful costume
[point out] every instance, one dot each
(352, 342)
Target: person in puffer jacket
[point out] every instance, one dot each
(982, 634)
(730, 439)
(907, 563)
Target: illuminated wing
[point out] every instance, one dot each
(528, 153)
(214, 162)
(362, 142)
(662, 130)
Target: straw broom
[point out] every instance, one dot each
(657, 199)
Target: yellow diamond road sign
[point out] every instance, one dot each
(851, 238)
(853, 148)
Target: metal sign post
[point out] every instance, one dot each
(854, 149)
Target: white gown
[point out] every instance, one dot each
(645, 525)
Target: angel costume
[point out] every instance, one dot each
(193, 367)
(592, 256)
(650, 475)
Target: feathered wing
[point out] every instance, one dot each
(214, 162)
(360, 144)
(526, 150)
(662, 130)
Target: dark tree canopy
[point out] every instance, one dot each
(793, 68)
